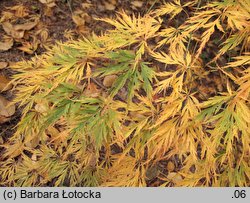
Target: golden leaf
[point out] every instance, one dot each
(4, 83)
(6, 110)
(109, 6)
(3, 64)
(26, 26)
(170, 166)
(4, 46)
(49, 3)
(137, 4)
(174, 177)
(10, 30)
(78, 20)
(21, 11)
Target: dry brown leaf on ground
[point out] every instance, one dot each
(152, 172)
(206, 90)
(26, 26)
(41, 107)
(20, 10)
(137, 4)
(43, 34)
(17, 31)
(86, 5)
(5, 46)
(34, 157)
(174, 177)
(114, 2)
(4, 119)
(109, 6)
(92, 91)
(10, 30)
(49, 3)
(30, 47)
(170, 166)
(3, 65)
(79, 21)
(6, 110)
(109, 80)
(6, 15)
(4, 83)
(79, 17)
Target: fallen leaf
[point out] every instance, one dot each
(100, 8)
(3, 65)
(6, 110)
(152, 172)
(218, 82)
(4, 119)
(4, 83)
(170, 166)
(25, 26)
(6, 15)
(206, 91)
(41, 107)
(137, 4)
(91, 91)
(10, 30)
(20, 11)
(8, 27)
(4, 46)
(114, 2)
(48, 11)
(92, 160)
(44, 34)
(109, 7)
(49, 3)
(78, 20)
(30, 47)
(34, 157)
(123, 93)
(109, 80)
(174, 177)
(86, 5)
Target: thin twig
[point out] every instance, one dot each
(150, 8)
(106, 89)
(191, 34)
(70, 6)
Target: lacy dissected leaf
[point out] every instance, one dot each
(128, 174)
